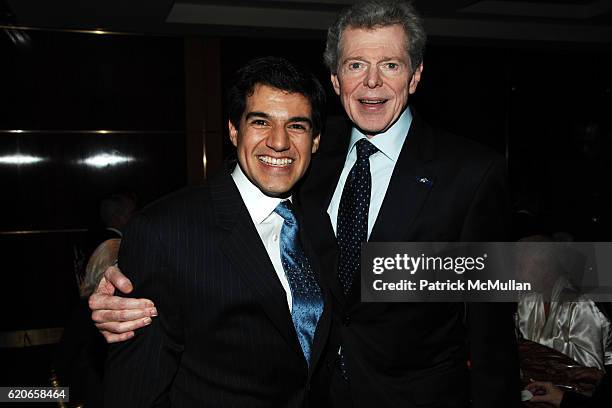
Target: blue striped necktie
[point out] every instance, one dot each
(307, 304)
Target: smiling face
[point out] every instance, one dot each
(275, 139)
(374, 77)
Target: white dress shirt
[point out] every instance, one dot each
(382, 163)
(267, 222)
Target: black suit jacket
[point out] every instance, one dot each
(224, 336)
(415, 354)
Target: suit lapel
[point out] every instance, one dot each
(243, 248)
(315, 194)
(410, 184)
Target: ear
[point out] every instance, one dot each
(233, 133)
(336, 83)
(315, 143)
(416, 77)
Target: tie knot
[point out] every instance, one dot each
(285, 210)
(365, 149)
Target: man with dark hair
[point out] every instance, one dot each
(393, 178)
(244, 82)
(242, 317)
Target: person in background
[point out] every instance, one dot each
(547, 392)
(555, 314)
(115, 212)
(79, 360)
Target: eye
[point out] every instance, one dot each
(391, 66)
(298, 126)
(355, 66)
(258, 122)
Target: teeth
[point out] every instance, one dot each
(275, 162)
(371, 102)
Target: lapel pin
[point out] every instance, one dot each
(426, 181)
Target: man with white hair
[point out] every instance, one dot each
(393, 178)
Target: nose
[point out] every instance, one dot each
(372, 78)
(278, 139)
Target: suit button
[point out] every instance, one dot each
(346, 320)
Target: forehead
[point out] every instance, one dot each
(268, 99)
(387, 42)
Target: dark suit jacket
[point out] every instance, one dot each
(415, 354)
(80, 356)
(224, 336)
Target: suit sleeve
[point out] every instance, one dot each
(494, 377)
(139, 372)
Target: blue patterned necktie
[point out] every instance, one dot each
(307, 302)
(352, 225)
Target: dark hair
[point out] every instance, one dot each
(371, 14)
(277, 73)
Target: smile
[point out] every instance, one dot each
(273, 161)
(372, 101)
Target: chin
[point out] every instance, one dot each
(373, 125)
(372, 129)
(277, 191)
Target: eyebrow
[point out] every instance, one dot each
(266, 116)
(360, 58)
(355, 58)
(257, 114)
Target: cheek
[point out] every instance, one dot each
(349, 87)
(249, 143)
(304, 151)
(242, 148)
(399, 84)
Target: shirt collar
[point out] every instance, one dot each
(389, 142)
(259, 205)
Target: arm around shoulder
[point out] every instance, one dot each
(139, 372)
